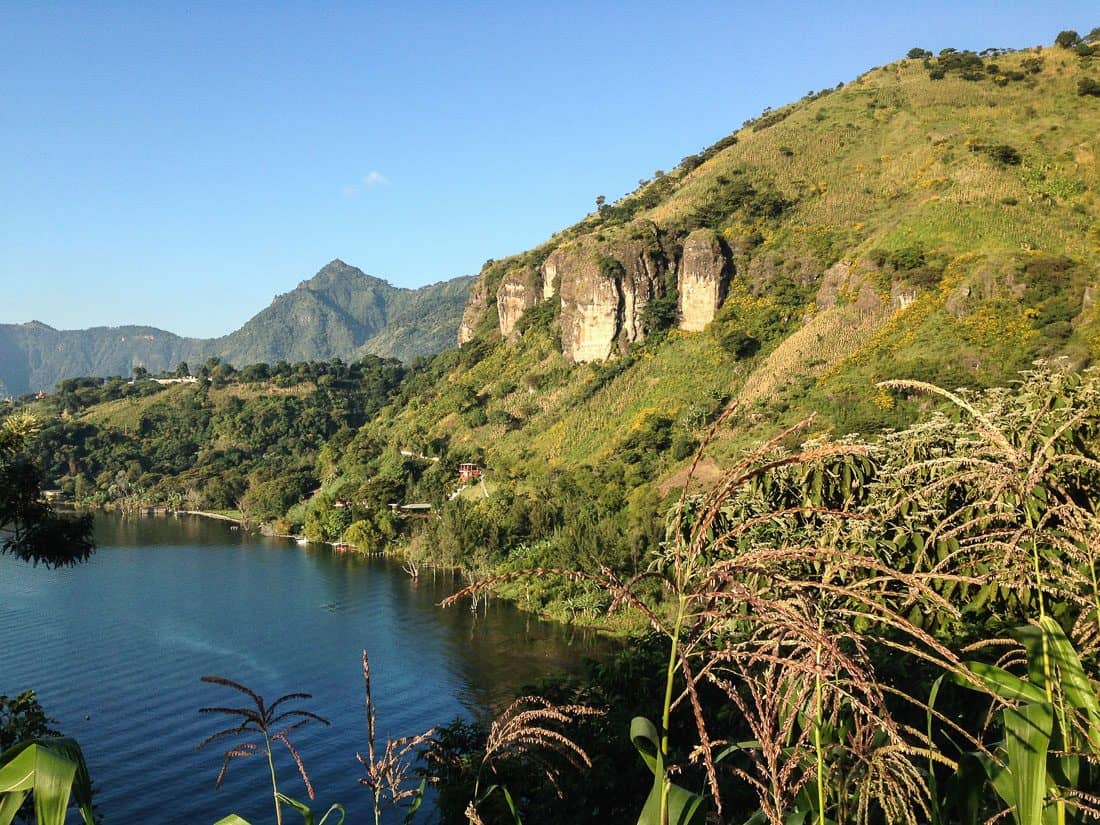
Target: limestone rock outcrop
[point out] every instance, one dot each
(605, 286)
(702, 279)
(476, 306)
(519, 290)
(549, 278)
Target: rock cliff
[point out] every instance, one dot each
(519, 290)
(605, 285)
(702, 280)
(476, 307)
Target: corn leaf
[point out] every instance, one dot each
(1003, 684)
(9, 805)
(1076, 686)
(50, 776)
(684, 807)
(1028, 729)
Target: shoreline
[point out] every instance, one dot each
(203, 514)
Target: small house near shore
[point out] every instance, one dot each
(468, 473)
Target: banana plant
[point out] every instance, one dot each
(51, 771)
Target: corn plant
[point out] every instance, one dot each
(389, 774)
(1013, 502)
(270, 723)
(772, 621)
(50, 770)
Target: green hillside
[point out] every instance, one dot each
(934, 219)
(902, 225)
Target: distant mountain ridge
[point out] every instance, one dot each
(339, 312)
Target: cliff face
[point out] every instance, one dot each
(605, 286)
(476, 306)
(702, 280)
(604, 282)
(519, 290)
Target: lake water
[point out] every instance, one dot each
(115, 649)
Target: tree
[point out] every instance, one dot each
(1067, 39)
(29, 527)
(140, 372)
(917, 53)
(182, 370)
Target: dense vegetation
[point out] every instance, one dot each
(255, 439)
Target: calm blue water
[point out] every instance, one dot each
(115, 649)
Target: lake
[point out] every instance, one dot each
(115, 649)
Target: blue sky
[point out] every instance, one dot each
(180, 164)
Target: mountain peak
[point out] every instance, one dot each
(338, 272)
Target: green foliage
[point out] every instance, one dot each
(1002, 153)
(735, 195)
(50, 771)
(29, 527)
(22, 719)
(1067, 39)
(195, 447)
(1088, 87)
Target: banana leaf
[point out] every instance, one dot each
(684, 806)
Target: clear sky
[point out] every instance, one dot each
(179, 164)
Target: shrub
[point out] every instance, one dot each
(907, 258)
(609, 267)
(1086, 86)
(739, 343)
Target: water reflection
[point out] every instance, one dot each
(124, 639)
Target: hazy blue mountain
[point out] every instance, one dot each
(339, 312)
